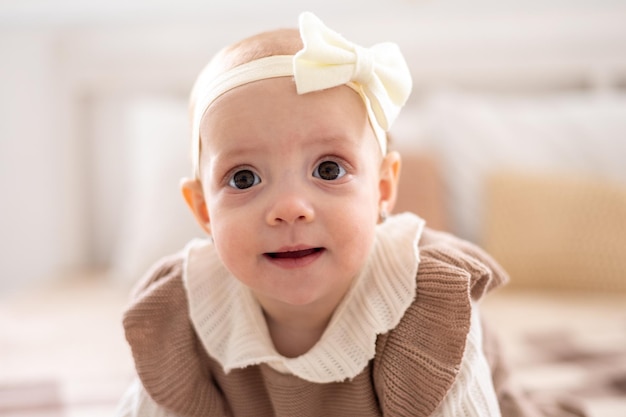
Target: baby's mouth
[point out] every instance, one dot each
(296, 254)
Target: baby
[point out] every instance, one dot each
(309, 299)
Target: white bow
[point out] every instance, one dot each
(329, 60)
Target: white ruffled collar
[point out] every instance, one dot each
(232, 328)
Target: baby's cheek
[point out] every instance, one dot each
(358, 236)
(230, 244)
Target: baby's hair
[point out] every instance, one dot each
(275, 42)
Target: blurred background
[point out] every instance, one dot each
(514, 138)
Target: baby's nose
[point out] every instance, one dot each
(289, 206)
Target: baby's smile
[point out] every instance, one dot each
(294, 253)
(294, 258)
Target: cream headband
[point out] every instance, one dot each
(379, 74)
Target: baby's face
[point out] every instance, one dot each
(292, 187)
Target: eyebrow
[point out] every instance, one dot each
(341, 138)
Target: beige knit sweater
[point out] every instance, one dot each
(416, 365)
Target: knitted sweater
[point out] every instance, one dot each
(431, 363)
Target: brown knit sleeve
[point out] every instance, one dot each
(486, 273)
(418, 361)
(169, 359)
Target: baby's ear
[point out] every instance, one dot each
(194, 197)
(389, 177)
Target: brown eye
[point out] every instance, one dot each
(244, 179)
(329, 170)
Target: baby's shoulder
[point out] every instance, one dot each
(163, 341)
(448, 260)
(423, 353)
(163, 271)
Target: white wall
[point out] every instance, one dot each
(40, 218)
(69, 69)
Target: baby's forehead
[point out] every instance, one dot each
(279, 95)
(259, 109)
